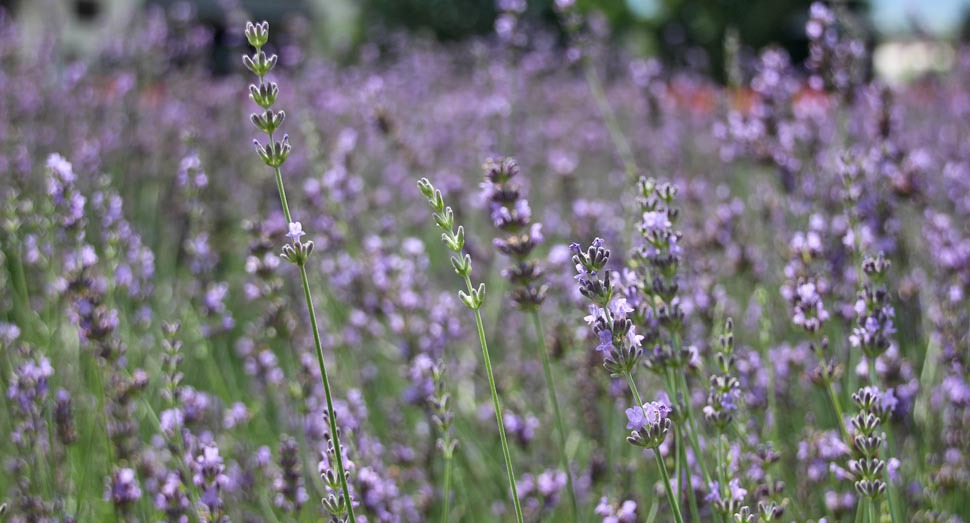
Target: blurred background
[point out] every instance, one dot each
(907, 36)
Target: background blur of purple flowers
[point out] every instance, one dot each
(154, 367)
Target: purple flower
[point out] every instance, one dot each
(652, 413)
(123, 487)
(606, 341)
(295, 231)
(171, 420)
(625, 513)
(655, 221)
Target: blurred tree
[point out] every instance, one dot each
(446, 19)
(673, 29)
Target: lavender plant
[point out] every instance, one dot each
(619, 344)
(444, 419)
(454, 239)
(113, 230)
(274, 154)
(510, 213)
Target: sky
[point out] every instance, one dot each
(939, 16)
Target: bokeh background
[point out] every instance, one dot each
(684, 32)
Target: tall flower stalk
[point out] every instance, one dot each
(455, 241)
(440, 402)
(274, 154)
(622, 352)
(874, 334)
(804, 292)
(656, 264)
(510, 213)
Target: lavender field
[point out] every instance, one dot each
(523, 277)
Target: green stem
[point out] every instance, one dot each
(21, 284)
(682, 391)
(871, 508)
(447, 489)
(691, 425)
(652, 515)
(838, 411)
(554, 401)
(772, 400)
(279, 187)
(497, 407)
(331, 415)
(691, 496)
(678, 467)
(609, 117)
(666, 480)
(634, 389)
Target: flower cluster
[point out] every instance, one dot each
(835, 58)
(874, 312)
(157, 218)
(657, 266)
(626, 512)
(510, 213)
(608, 317)
(290, 492)
(648, 424)
(725, 391)
(868, 440)
(208, 474)
(454, 239)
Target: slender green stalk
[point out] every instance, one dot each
(692, 432)
(609, 118)
(872, 510)
(498, 408)
(554, 401)
(666, 481)
(633, 389)
(280, 189)
(680, 389)
(678, 467)
(837, 407)
(691, 496)
(20, 282)
(275, 156)
(331, 415)
(447, 489)
(692, 438)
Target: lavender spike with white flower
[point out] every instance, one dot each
(274, 154)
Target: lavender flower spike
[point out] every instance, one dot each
(510, 214)
(274, 154)
(444, 217)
